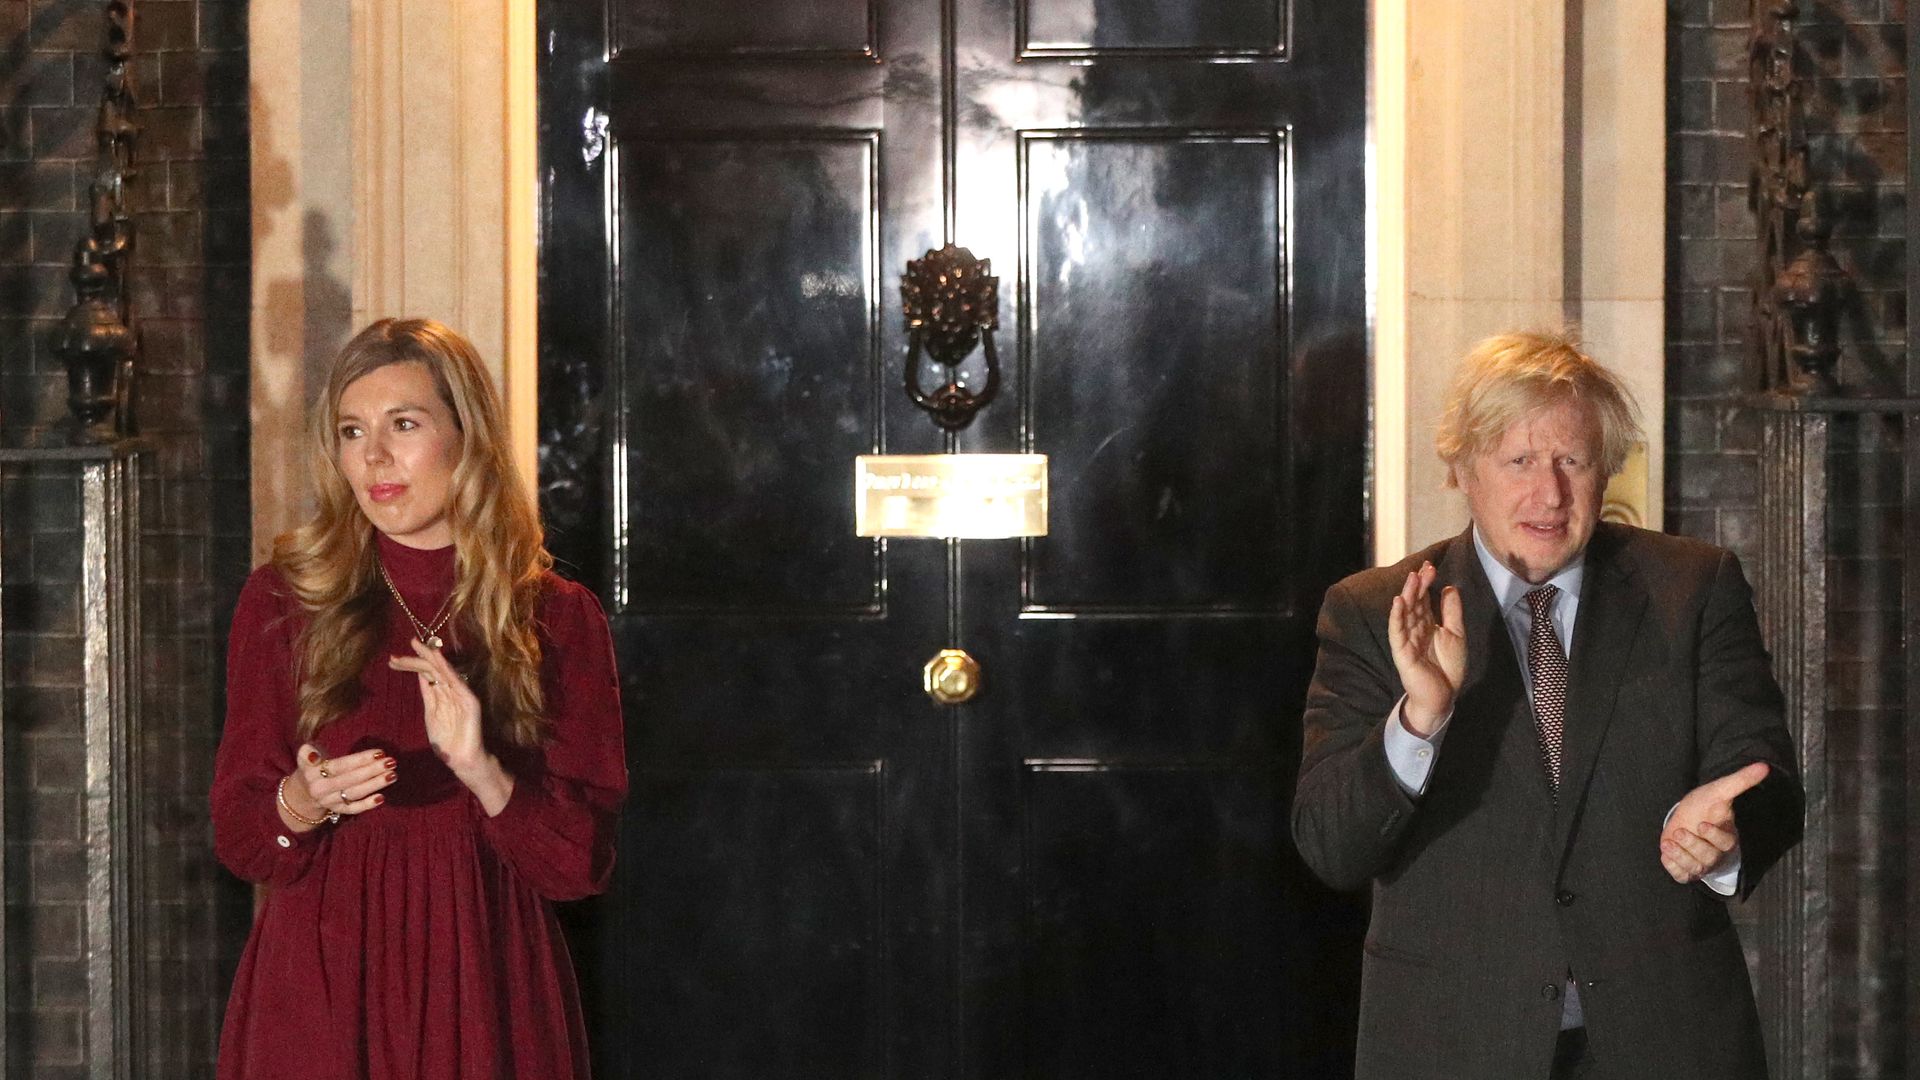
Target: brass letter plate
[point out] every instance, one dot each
(950, 496)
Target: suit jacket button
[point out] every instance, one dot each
(1564, 898)
(1550, 991)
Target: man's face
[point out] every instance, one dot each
(1535, 492)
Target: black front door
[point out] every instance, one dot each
(1085, 870)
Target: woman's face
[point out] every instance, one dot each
(398, 447)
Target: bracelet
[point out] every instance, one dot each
(280, 796)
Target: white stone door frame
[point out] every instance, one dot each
(1519, 180)
(393, 169)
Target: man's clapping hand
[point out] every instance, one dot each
(1700, 833)
(1430, 656)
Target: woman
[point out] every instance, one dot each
(423, 747)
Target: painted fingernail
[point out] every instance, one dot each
(313, 757)
(378, 799)
(389, 778)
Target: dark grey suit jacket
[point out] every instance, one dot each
(1487, 890)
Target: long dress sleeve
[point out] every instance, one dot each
(259, 740)
(557, 830)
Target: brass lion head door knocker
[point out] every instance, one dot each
(952, 303)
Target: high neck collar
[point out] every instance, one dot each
(415, 568)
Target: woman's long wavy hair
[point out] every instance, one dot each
(332, 562)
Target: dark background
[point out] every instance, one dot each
(190, 283)
(1856, 105)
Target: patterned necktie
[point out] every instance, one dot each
(1547, 663)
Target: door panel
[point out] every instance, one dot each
(709, 947)
(1103, 844)
(742, 27)
(742, 407)
(1138, 321)
(1110, 29)
(1084, 871)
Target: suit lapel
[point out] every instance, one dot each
(1612, 602)
(1493, 693)
(1460, 568)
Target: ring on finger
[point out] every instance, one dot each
(324, 774)
(343, 796)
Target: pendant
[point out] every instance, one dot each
(434, 642)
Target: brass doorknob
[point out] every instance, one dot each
(952, 677)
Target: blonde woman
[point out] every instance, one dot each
(423, 747)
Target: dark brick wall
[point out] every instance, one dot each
(45, 853)
(1855, 57)
(190, 288)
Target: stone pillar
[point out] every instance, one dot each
(110, 836)
(394, 174)
(1469, 221)
(1795, 898)
(1518, 182)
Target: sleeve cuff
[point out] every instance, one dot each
(1726, 880)
(512, 816)
(1410, 756)
(279, 837)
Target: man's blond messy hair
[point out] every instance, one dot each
(1509, 377)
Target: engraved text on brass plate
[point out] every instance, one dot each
(950, 496)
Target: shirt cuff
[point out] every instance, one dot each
(1409, 755)
(1725, 880)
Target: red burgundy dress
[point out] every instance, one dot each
(416, 940)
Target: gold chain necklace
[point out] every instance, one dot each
(430, 635)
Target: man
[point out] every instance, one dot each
(1551, 833)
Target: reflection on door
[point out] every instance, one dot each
(1080, 867)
